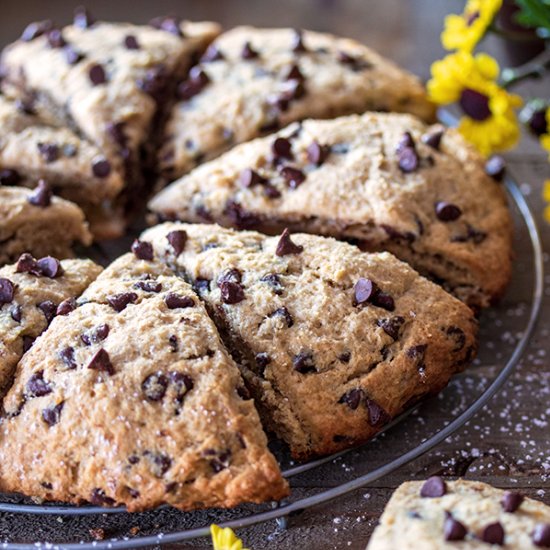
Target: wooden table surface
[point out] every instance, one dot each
(507, 444)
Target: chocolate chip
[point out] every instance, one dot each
(27, 264)
(248, 52)
(391, 326)
(142, 250)
(352, 398)
(262, 360)
(433, 139)
(173, 342)
(131, 42)
(293, 176)
(7, 291)
(212, 53)
(396, 235)
(231, 292)
(37, 386)
(101, 167)
(177, 240)
(298, 42)
(447, 212)
(234, 275)
(453, 529)
(433, 487)
(416, 352)
(49, 151)
(99, 498)
(148, 286)
(168, 24)
(16, 311)
(239, 216)
(9, 177)
(345, 357)
(364, 290)
(457, 334)
(282, 148)
(98, 334)
(51, 415)
(274, 282)
(496, 167)
(96, 74)
(304, 362)
(317, 153)
(82, 18)
(271, 192)
(154, 386)
(356, 63)
(175, 301)
(220, 459)
(41, 195)
(36, 29)
(286, 246)
(511, 501)
(283, 312)
(155, 82)
(67, 356)
(541, 535)
(48, 308)
(101, 362)
(377, 415)
(160, 463)
(472, 234)
(49, 267)
(250, 178)
(73, 56)
(119, 301)
(294, 73)
(55, 39)
(196, 82)
(493, 534)
(408, 160)
(183, 384)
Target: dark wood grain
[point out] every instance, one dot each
(508, 444)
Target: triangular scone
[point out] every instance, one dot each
(31, 292)
(333, 342)
(252, 81)
(382, 181)
(106, 80)
(35, 222)
(132, 399)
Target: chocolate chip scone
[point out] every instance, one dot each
(333, 342)
(32, 292)
(130, 398)
(460, 514)
(382, 181)
(105, 80)
(252, 81)
(35, 221)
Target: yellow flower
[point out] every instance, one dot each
(489, 120)
(463, 32)
(545, 138)
(225, 539)
(546, 197)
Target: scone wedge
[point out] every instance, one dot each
(438, 514)
(381, 181)
(333, 342)
(252, 81)
(130, 398)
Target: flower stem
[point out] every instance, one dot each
(516, 36)
(536, 69)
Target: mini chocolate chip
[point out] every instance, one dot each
(304, 362)
(96, 74)
(472, 234)
(131, 42)
(377, 415)
(101, 362)
(67, 356)
(294, 73)
(9, 177)
(36, 29)
(212, 53)
(453, 529)
(457, 334)
(142, 250)
(97, 334)
(82, 18)
(41, 195)
(182, 382)
(16, 311)
(356, 63)
(99, 498)
(154, 386)
(55, 39)
(352, 398)
(231, 292)
(155, 82)
(116, 131)
(391, 326)
(160, 463)
(408, 160)
(274, 282)
(447, 212)
(248, 52)
(271, 192)
(196, 82)
(51, 415)
(27, 264)
(396, 235)
(168, 24)
(511, 501)
(233, 274)
(541, 535)
(433, 487)
(49, 267)
(293, 176)
(7, 291)
(101, 167)
(345, 357)
(416, 352)
(496, 167)
(37, 386)
(433, 139)
(364, 290)
(286, 246)
(48, 308)
(73, 56)
(406, 141)
(46, 485)
(317, 153)
(383, 300)
(148, 286)
(262, 360)
(173, 342)
(177, 240)
(282, 148)
(175, 301)
(119, 301)
(239, 216)
(220, 460)
(493, 534)
(283, 312)
(249, 178)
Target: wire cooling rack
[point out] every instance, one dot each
(499, 365)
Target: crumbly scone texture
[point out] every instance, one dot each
(343, 178)
(326, 374)
(132, 399)
(245, 97)
(40, 230)
(33, 303)
(111, 95)
(411, 522)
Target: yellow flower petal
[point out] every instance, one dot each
(546, 191)
(487, 66)
(225, 539)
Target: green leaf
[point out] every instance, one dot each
(535, 14)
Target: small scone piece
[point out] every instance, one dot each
(35, 222)
(466, 515)
(32, 292)
(333, 342)
(383, 181)
(132, 399)
(252, 81)
(109, 81)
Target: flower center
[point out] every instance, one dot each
(475, 104)
(471, 18)
(538, 123)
